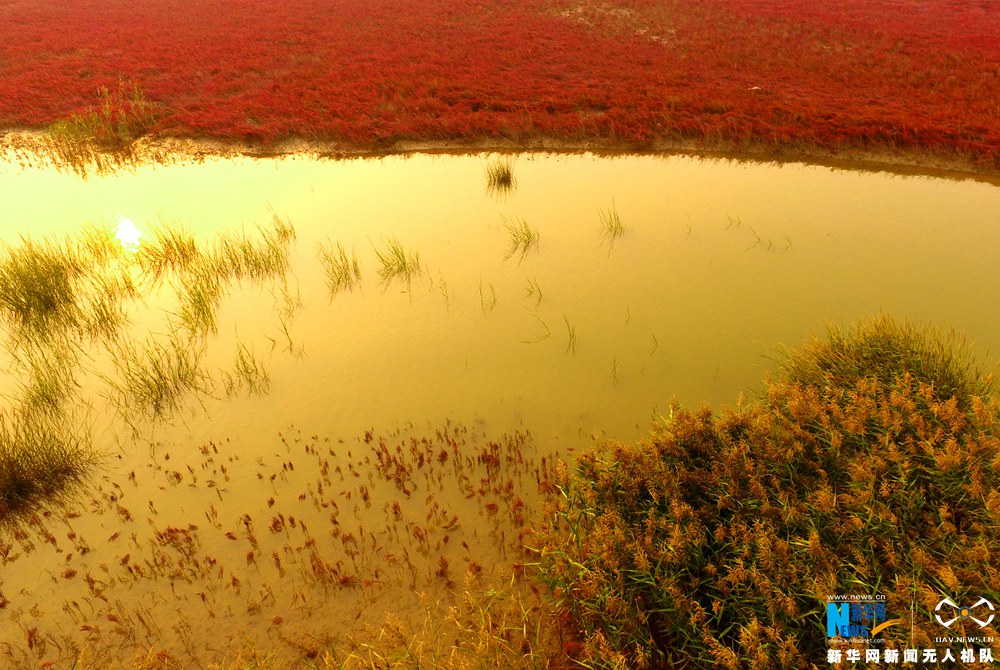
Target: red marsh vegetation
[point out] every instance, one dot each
(912, 78)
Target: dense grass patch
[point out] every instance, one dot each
(500, 176)
(38, 287)
(871, 468)
(42, 458)
(885, 349)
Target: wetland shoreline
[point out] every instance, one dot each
(28, 143)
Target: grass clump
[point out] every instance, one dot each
(203, 274)
(42, 459)
(154, 378)
(715, 542)
(122, 115)
(885, 349)
(249, 372)
(395, 261)
(241, 257)
(522, 237)
(611, 224)
(342, 273)
(103, 137)
(38, 287)
(500, 176)
(171, 249)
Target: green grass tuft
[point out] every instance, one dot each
(169, 250)
(39, 287)
(522, 237)
(500, 176)
(154, 378)
(342, 273)
(396, 262)
(42, 459)
(611, 224)
(886, 350)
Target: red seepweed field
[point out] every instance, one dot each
(916, 78)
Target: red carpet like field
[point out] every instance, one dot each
(919, 77)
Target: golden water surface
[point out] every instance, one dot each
(184, 544)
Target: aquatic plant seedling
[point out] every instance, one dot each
(341, 272)
(544, 335)
(396, 262)
(445, 293)
(487, 304)
(571, 335)
(500, 176)
(534, 290)
(522, 237)
(153, 378)
(611, 224)
(251, 370)
(168, 249)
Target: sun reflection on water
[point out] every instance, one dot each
(127, 234)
